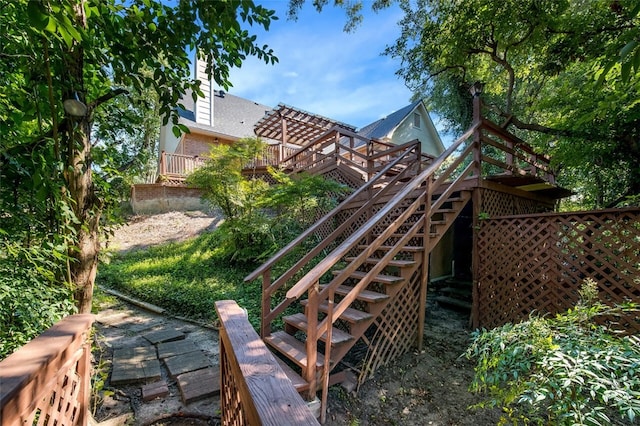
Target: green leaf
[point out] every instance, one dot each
(37, 15)
(625, 70)
(627, 49)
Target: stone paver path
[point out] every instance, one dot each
(163, 364)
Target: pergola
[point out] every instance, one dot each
(291, 125)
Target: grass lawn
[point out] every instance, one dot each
(185, 278)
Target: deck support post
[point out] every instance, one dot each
(424, 278)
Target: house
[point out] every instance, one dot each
(223, 118)
(406, 124)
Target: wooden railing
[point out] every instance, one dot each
(507, 154)
(272, 155)
(254, 390)
(178, 166)
(309, 236)
(341, 146)
(47, 381)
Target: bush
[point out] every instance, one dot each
(565, 370)
(259, 218)
(30, 299)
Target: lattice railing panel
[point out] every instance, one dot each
(537, 263)
(396, 328)
(344, 178)
(62, 406)
(46, 382)
(233, 412)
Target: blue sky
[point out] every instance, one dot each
(324, 70)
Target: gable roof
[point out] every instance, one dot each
(233, 116)
(381, 128)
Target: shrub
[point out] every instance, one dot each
(30, 298)
(562, 370)
(260, 219)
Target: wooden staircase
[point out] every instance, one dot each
(456, 293)
(357, 279)
(368, 276)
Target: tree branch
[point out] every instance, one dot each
(510, 119)
(107, 97)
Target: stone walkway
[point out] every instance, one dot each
(158, 366)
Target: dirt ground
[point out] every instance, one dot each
(422, 388)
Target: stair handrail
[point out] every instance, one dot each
(313, 142)
(317, 145)
(268, 288)
(267, 265)
(540, 162)
(313, 276)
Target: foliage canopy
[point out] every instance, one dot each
(564, 75)
(260, 218)
(60, 171)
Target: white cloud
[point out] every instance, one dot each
(323, 70)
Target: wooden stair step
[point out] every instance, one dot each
(393, 262)
(453, 301)
(405, 248)
(297, 381)
(450, 199)
(380, 278)
(364, 296)
(445, 211)
(292, 348)
(299, 321)
(417, 234)
(350, 315)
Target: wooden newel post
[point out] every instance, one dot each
(265, 326)
(476, 91)
(163, 163)
(310, 375)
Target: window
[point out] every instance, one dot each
(416, 120)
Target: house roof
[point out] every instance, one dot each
(381, 128)
(300, 126)
(233, 116)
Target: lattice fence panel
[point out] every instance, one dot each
(495, 204)
(537, 263)
(344, 178)
(396, 328)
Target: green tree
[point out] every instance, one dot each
(562, 74)
(90, 50)
(259, 218)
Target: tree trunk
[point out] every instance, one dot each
(78, 175)
(86, 208)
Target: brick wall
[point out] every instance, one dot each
(161, 198)
(196, 144)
